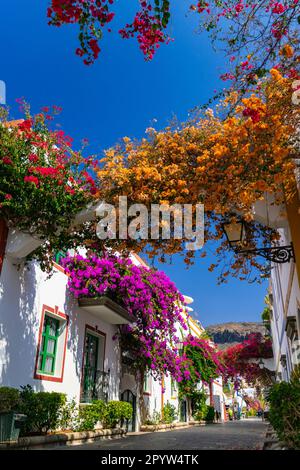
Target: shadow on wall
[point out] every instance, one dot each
(74, 340)
(18, 325)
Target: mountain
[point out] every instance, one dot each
(231, 333)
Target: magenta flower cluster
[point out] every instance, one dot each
(149, 296)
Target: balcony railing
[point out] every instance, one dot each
(95, 385)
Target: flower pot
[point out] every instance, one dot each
(9, 426)
(20, 244)
(105, 309)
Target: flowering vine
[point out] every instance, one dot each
(93, 16)
(253, 34)
(205, 364)
(239, 360)
(43, 182)
(227, 163)
(149, 296)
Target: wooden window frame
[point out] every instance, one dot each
(43, 351)
(56, 314)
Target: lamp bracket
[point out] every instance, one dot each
(276, 254)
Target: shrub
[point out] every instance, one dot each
(169, 414)
(295, 375)
(199, 406)
(284, 414)
(68, 416)
(116, 411)
(42, 410)
(9, 399)
(210, 415)
(90, 415)
(155, 418)
(251, 412)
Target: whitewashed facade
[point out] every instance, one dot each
(284, 294)
(81, 358)
(27, 297)
(284, 289)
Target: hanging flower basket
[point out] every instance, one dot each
(106, 309)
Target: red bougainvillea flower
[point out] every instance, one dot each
(252, 113)
(33, 158)
(31, 179)
(25, 125)
(7, 161)
(238, 359)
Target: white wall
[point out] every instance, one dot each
(284, 286)
(23, 293)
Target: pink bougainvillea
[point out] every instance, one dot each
(156, 306)
(149, 296)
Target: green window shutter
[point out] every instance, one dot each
(146, 383)
(48, 347)
(58, 255)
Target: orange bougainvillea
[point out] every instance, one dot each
(226, 163)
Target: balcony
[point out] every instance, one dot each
(105, 309)
(95, 385)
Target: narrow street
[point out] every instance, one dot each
(246, 434)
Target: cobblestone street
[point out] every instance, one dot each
(247, 434)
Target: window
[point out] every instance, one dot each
(173, 388)
(146, 383)
(95, 381)
(48, 349)
(51, 351)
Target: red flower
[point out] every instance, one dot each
(252, 113)
(32, 179)
(7, 161)
(33, 158)
(25, 125)
(8, 197)
(79, 52)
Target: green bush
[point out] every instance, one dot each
(284, 414)
(115, 412)
(155, 418)
(90, 415)
(199, 406)
(251, 412)
(42, 410)
(68, 416)
(210, 415)
(9, 399)
(169, 414)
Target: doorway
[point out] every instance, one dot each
(129, 397)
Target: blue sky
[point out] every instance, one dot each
(122, 95)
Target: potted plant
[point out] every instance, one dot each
(9, 418)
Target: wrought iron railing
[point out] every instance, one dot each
(95, 385)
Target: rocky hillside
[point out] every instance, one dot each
(231, 333)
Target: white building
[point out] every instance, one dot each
(52, 342)
(284, 292)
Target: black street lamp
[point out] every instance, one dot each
(236, 234)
